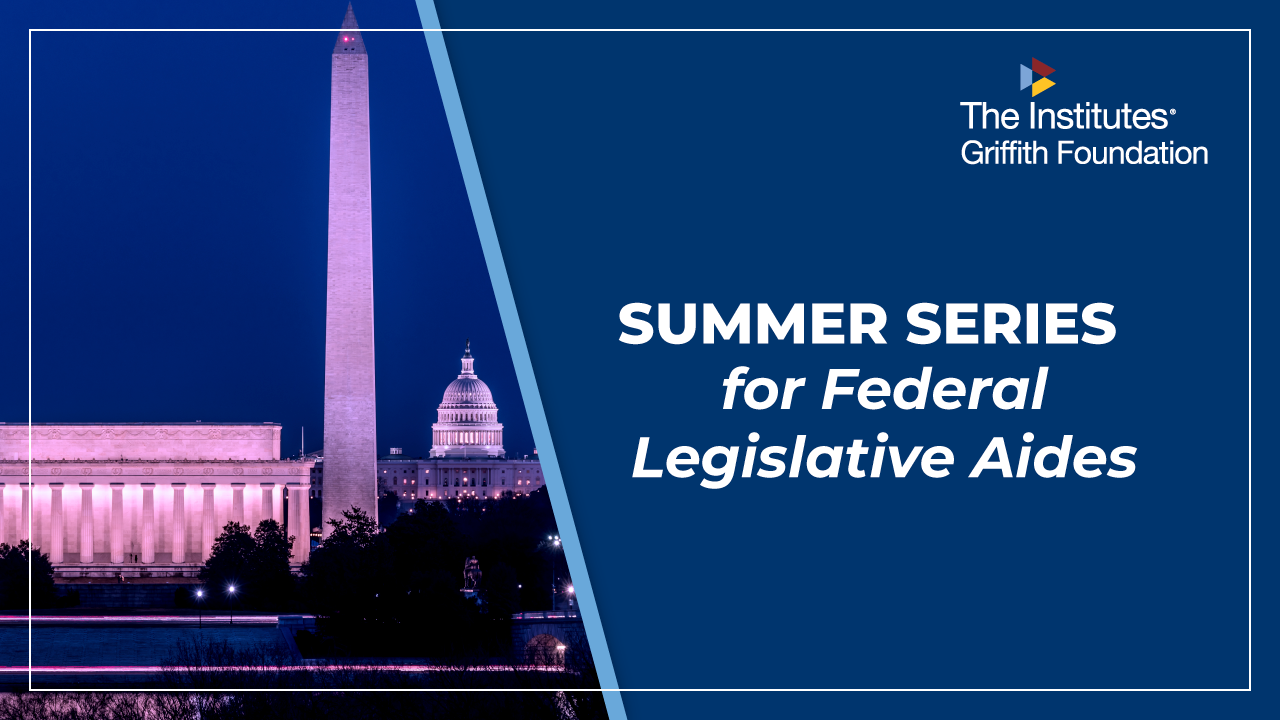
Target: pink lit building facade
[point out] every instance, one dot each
(145, 499)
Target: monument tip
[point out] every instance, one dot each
(349, 40)
(349, 21)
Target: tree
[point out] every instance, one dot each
(347, 582)
(269, 566)
(228, 561)
(388, 508)
(355, 529)
(396, 593)
(499, 592)
(426, 540)
(256, 564)
(15, 563)
(514, 531)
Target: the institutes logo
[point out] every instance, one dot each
(1101, 148)
(1040, 85)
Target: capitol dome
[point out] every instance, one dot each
(467, 420)
(470, 391)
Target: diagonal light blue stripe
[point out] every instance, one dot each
(520, 356)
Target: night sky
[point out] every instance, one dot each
(180, 190)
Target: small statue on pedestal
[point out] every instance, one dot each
(471, 576)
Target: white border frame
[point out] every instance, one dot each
(31, 507)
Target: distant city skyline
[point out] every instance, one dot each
(178, 261)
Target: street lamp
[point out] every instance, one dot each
(555, 545)
(231, 590)
(200, 608)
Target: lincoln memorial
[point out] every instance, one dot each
(145, 499)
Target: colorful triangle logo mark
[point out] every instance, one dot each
(1028, 77)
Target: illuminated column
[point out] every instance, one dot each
(237, 503)
(294, 528)
(4, 528)
(304, 514)
(264, 509)
(277, 505)
(148, 522)
(117, 522)
(86, 522)
(179, 543)
(299, 522)
(55, 522)
(24, 522)
(206, 524)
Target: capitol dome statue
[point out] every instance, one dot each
(467, 420)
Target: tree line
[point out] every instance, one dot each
(387, 592)
(396, 591)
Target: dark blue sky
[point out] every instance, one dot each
(180, 193)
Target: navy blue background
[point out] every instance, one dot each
(825, 168)
(788, 168)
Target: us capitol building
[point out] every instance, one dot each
(466, 460)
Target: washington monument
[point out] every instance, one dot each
(350, 419)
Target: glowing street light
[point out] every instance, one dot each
(231, 590)
(200, 608)
(555, 546)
